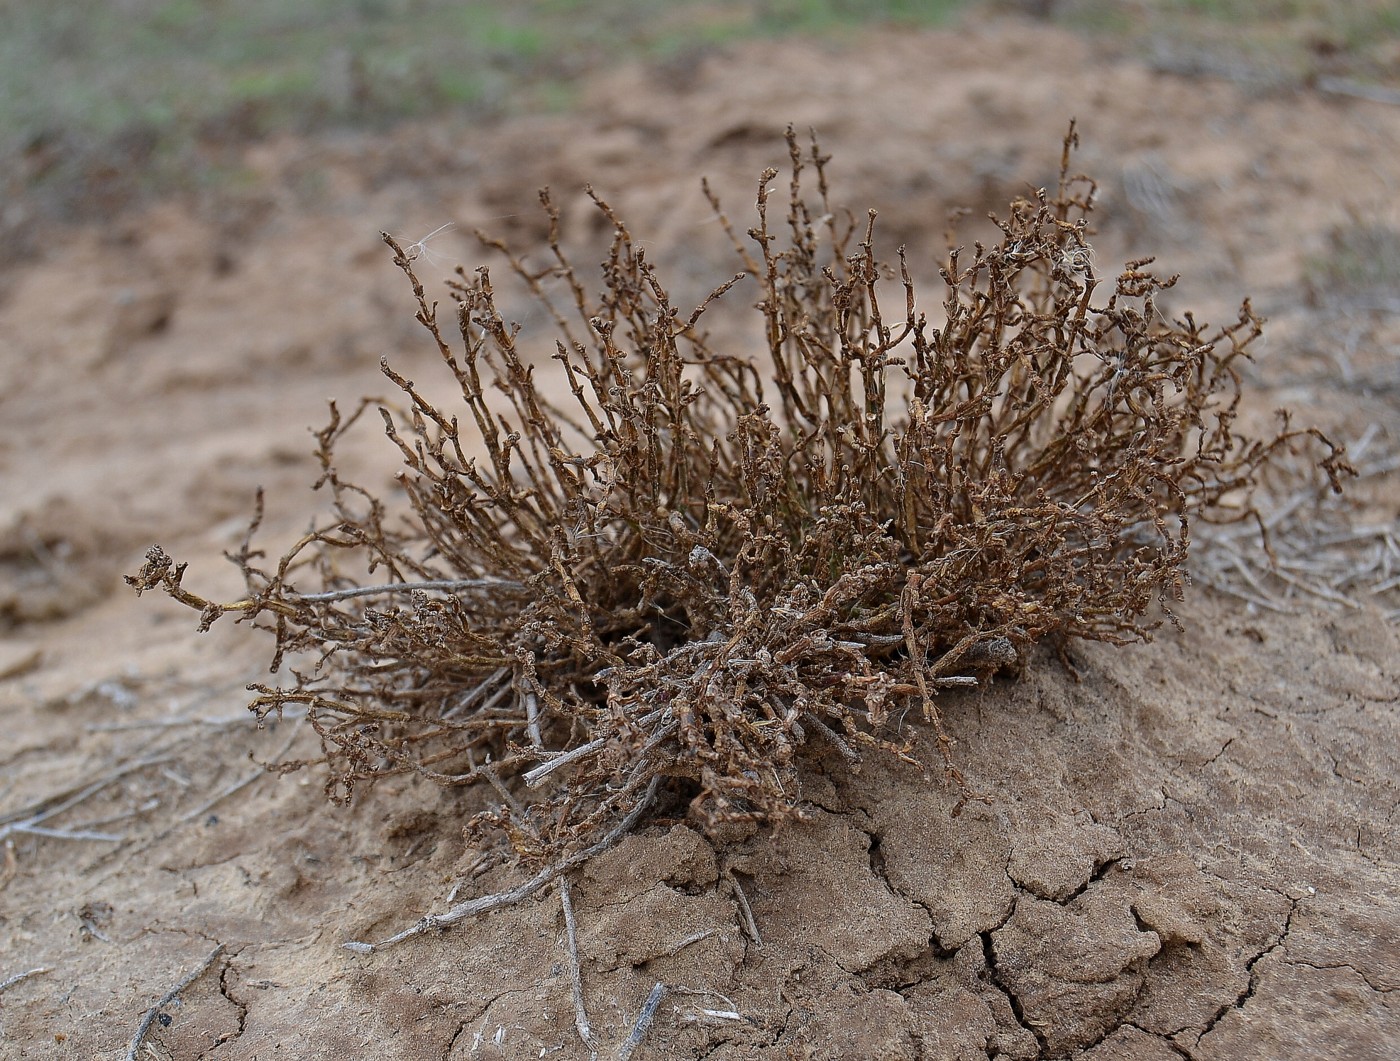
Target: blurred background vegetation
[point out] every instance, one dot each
(103, 101)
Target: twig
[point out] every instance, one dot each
(535, 777)
(833, 738)
(644, 1019)
(730, 1013)
(532, 715)
(468, 698)
(585, 1031)
(745, 911)
(11, 867)
(1224, 585)
(1341, 86)
(121, 815)
(242, 782)
(65, 834)
(154, 1011)
(955, 681)
(41, 810)
(1314, 590)
(486, 903)
(1248, 575)
(1388, 584)
(171, 722)
(5, 985)
(714, 1014)
(217, 798)
(403, 587)
(694, 937)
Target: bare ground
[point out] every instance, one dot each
(1190, 852)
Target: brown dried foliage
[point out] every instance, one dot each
(706, 562)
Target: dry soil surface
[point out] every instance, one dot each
(1190, 852)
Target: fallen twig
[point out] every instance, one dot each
(585, 1030)
(25, 818)
(1341, 86)
(745, 911)
(217, 798)
(694, 937)
(715, 1014)
(66, 834)
(154, 1011)
(242, 782)
(486, 903)
(730, 1013)
(11, 866)
(10, 982)
(171, 722)
(644, 1018)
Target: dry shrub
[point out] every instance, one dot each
(703, 562)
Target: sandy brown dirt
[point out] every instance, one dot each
(1191, 852)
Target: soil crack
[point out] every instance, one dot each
(1165, 1040)
(452, 1043)
(1218, 754)
(227, 991)
(1100, 870)
(1253, 983)
(995, 978)
(1334, 966)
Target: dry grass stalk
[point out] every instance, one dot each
(1321, 551)
(703, 562)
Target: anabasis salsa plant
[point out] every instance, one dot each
(700, 562)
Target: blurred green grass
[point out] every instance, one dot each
(101, 102)
(101, 69)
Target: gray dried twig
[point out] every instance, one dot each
(487, 903)
(143, 1029)
(18, 978)
(644, 1019)
(585, 1030)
